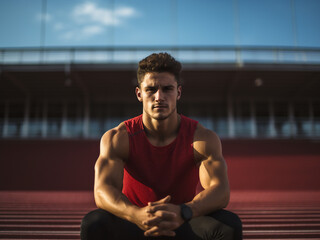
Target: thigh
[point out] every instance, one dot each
(230, 219)
(221, 224)
(209, 228)
(100, 224)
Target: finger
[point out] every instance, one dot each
(168, 225)
(154, 232)
(161, 210)
(152, 221)
(167, 199)
(168, 233)
(165, 221)
(158, 217)
(165, 214)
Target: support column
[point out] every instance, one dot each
(64, 130)
(311, 119)
(6, 119)
(44, 130)
(272, 125)
(231, 130)
(25, 126)
(253, 119)
(291, 119)
(86, 119)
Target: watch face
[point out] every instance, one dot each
(186, 212)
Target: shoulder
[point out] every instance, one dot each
(205, 134)
(206, 144)
(188, 121)
(116, 133)
(116, 142)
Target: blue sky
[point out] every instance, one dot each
(159, 23)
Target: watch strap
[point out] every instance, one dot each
(186, 212)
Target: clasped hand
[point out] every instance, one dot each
(162, 218)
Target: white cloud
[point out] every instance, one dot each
(125, 12)
(90, 12)
(92, 30)
(82, 33)
(89, 20)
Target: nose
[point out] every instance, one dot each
(159, 95)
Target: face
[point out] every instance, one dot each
(159, 93)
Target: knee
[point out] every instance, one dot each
(235, 223)
(208, 228)
(94, 225)
(220, 231)
(224, 232)
(230, 219)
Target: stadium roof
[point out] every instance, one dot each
(209, 73)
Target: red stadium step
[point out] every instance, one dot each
(280, 220)
(281, 234)
(282, 226)
(38, 221)
(7, 216)
(39, 235)
(263, 218)
(42, 227)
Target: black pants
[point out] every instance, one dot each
(222, 224)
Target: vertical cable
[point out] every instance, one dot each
(294, 23)
(43, 23)
(112, 29)
(175, 27)
(236, 22)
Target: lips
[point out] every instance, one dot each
(159, 106)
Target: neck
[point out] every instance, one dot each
(161, 132)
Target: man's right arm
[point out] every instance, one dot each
(114, 150)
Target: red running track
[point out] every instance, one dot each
(57, 215)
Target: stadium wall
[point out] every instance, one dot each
(253, 164)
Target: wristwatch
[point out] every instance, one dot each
(186, 212)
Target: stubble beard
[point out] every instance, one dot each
(162, 117)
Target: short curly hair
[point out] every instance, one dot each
(159, 62)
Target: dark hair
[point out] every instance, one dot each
(159, 62)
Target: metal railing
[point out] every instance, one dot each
(56, 128)
(131, 55)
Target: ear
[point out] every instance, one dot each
(138, 94)
(179, 92)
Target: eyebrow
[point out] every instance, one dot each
(156, 86)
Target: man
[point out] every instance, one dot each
(149, 168)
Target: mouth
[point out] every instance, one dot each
(159, 106)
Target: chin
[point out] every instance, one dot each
(162, 115)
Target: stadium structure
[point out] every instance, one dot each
(82, 92)
(264, 103)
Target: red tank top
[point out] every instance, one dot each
(152, 172)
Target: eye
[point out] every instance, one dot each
(150, 89)
(168, 88)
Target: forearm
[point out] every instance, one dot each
(211, 199)
(111, 199)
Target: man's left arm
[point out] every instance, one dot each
(212, 173)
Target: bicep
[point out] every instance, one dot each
(109, 171)
(213, 172)
(213, 168)
(110, 164)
